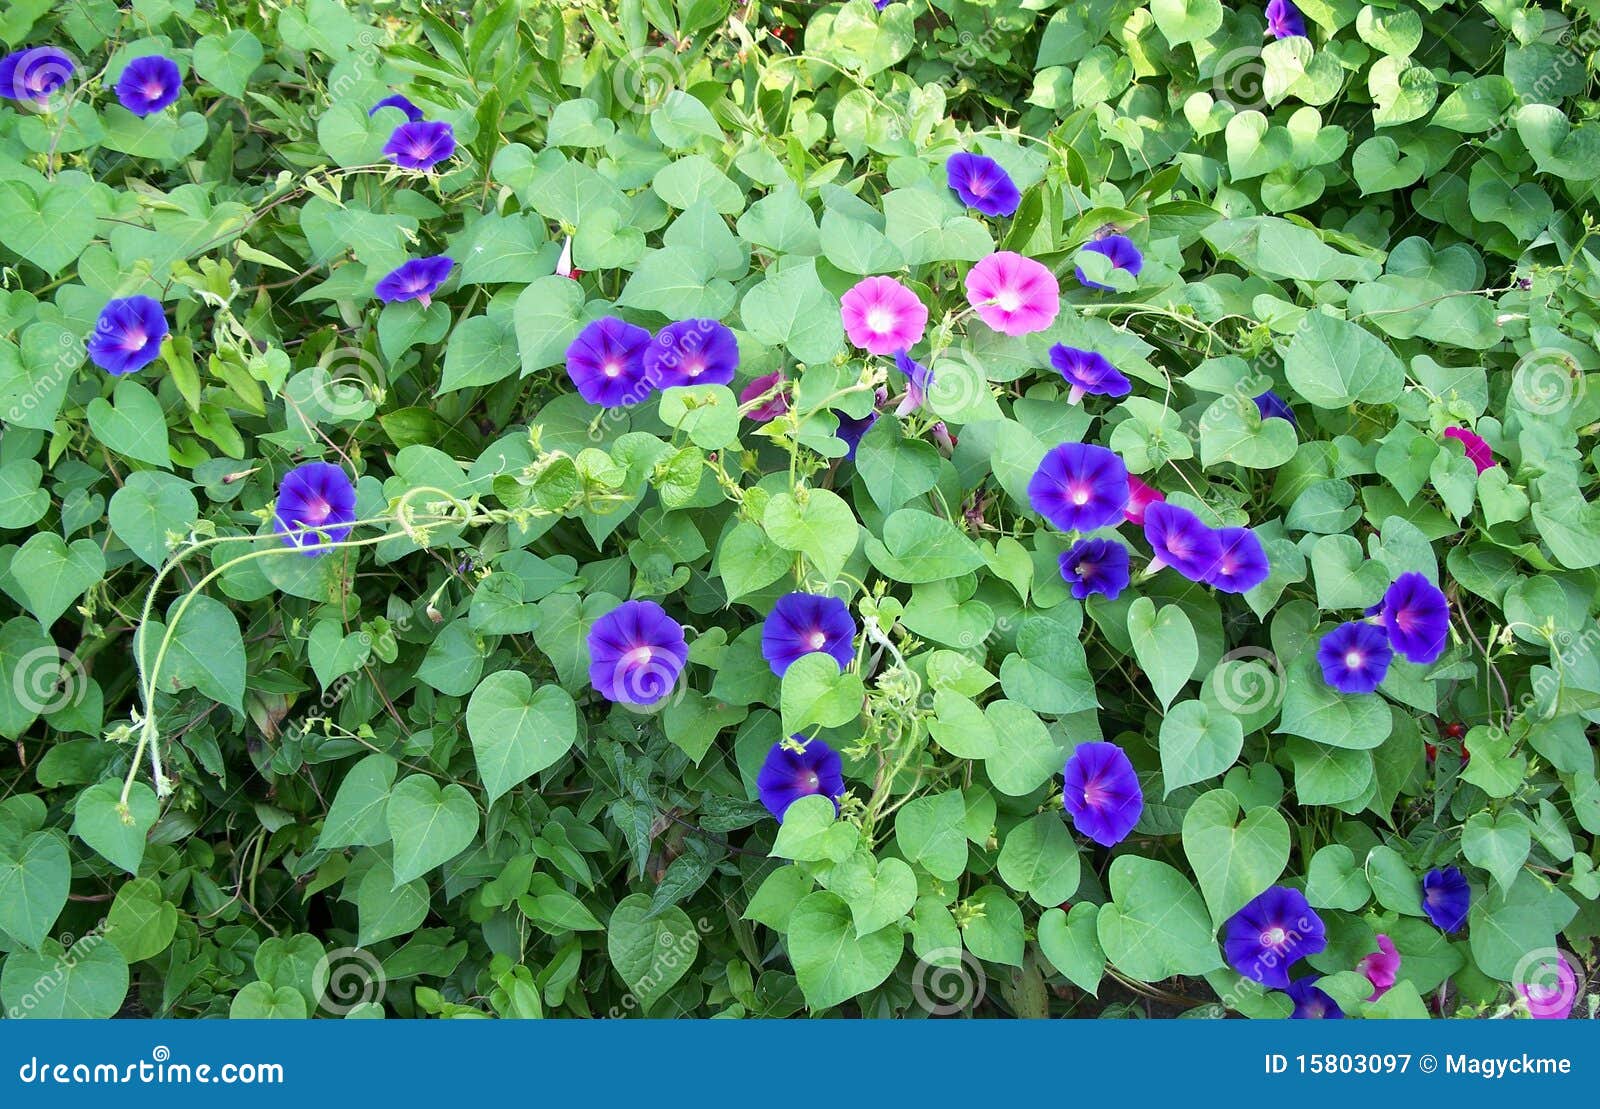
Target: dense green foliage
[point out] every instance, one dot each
(385, 781)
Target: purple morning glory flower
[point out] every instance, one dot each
(412, 112)
(1096, 566)
(1284, 20)
(1123, 254)
(801, 623)
(982, 183)
(35, 74)
(1079, 487)
(1355, 657)
(1310, 1003)
(1416, 616)
(851, 429)
(128, 335)
(606, 363)
(919, 379)
(1446, 897)
(1273, 407)
(691, 352)
(1267, 936)
(417, 279)
(316, 506)
(1088, 372)
(421, 145)
(1241, 561)
(1182, 540)
(1101, 792)
(636, 652)
(149, 84)
(788, 775)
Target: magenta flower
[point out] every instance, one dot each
(919, 379)
(776, 406)
(788, 775)
(1124, 256)
(35, 74)
(882, 316)
(1354, 657)
(1284, 20)
(1416, 616)
(316, 506)
(606, 363)
(1095, 566)
(802, 623)
(1381, 967)
(1553, 991)
(1012, 294)
(1311, 1003)
(416, 279)
(412, 112)
(1241, 561)
(1101, 792)
(1477, 450)
(421, 145)
(982, 183)
(128, 335)
(636, 653)
(1079, 487)
(691, 352)
(1140, 497)
(1180, 539)
(149, 84)
(1087, 371)
(1270, 934)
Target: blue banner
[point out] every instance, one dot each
(673, 1063)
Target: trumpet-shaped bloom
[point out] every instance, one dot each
(852, 428)
(1354, 657)
(982, 183)
(636, 653)
(412, 112)
(1381, 967)
(919, 379)
(1079, 487)
(1088, 371)
(1273, 407)
(1554, 988)
(1181, 540)
(316, 506)
(803, 623)
(1266, 937)
(1446, 898)
(691, 352)
(128, 335)
(606, 363)
(1012, 294)
(1311, 1003)
(1101, 792)
(1416, 616)
(882, 316)
(1124, 255)
(1241, 561)
(149, 84)
(1140, 497)
(1477, 449)
(776, 405)
(1096, 566)
(421, 145)
(417, 279)
(1284, 20)
(35, 74)
(788, 775)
